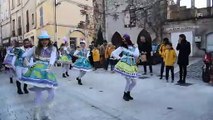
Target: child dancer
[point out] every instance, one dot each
(110, 60)
(127, 65)
(65, 58)
(9, 60)
(169, 59)
(96, 57)
(82, 63)
(39, 74)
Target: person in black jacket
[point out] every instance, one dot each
(184, 49)
(145, 48)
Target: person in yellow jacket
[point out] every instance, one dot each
(96, 56)
(169, 60)
(109, 60)
(161, 52)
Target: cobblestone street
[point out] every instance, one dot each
(101, 99)
(194, 71)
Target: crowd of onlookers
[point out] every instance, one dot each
(100, 56)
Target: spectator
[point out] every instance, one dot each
(102, 54)
(109, 49)
(145, 49)
(170, 59)
(161, 52)
(184, 49)
(96, 57)
(91, 47)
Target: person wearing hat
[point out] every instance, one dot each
(21, 65)
(82, 63)
(65, 57)
(127, 64)
(40, 76)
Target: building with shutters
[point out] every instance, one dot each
(25, 19)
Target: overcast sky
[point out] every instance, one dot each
(198, 3)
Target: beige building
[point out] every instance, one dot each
(68, 18)
(29, 20)
(61, 18)
(5, 22)
(16, 20)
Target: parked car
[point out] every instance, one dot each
(207, 69)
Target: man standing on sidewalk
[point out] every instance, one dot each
(184, 49)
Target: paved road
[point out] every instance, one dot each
(100, 98)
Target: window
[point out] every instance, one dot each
(33, 19)
(19, 22)
(27, 18)
(13, 28)
(13, 4)
(19, 26)
(41, 17)
(14, 23)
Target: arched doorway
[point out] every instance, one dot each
(209, 43)
(116, 39)
(75, 37)
(146, 35)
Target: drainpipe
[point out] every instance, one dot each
(22, 23)
(10, 22)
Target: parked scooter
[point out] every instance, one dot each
(207, 69)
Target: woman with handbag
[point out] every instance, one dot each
(145, 49)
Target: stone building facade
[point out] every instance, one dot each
(133, 16)
(5, 22)
(195, 23)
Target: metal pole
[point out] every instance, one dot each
(55, 19)
(10, 22)
(22, 20)
(103, 19)
(192, 3)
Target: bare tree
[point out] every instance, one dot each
(153, 17)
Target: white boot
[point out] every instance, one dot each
(36, 115)
(46, 109)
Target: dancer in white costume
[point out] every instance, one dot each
(65, 58)
(21, 65)
(40, 75)
(82, 63)
(9, 60)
